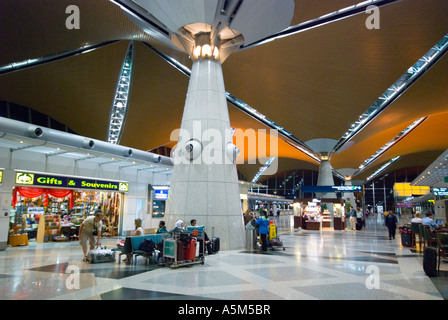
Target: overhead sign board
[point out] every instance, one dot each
(440, 191)
(404, 205)
(26, 178)
(161, 192)
(327, 189)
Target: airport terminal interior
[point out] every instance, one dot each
(327, 118)
(322, 265)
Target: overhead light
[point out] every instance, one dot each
(204, 48)
(382, 168)
(390, 144)
(205, 52)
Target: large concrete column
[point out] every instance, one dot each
(325, 178)
(324, 147)
(348, 174)
(204, 184)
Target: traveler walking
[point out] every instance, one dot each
(391, 224)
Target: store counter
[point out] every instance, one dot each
(18, 240)
(312, 225)
(339, 224)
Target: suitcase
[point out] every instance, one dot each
(358, 225)
(180, 250)
(190, 252)
(406, 240)
(430, 261)
(215, 244)
(100, 255)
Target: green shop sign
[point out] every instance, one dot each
(45, 180)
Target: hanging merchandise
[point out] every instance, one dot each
(31, 192)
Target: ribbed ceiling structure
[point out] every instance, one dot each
(315, 83)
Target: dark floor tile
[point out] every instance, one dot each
(110, 271)
(137, 294)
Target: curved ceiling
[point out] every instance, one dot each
(314, 83)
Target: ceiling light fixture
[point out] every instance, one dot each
(390, 144)
(396, 90)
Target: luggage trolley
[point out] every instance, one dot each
(183, 248)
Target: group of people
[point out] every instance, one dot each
(356, 217)
(426, 221)
(90, 232)
(391, 222)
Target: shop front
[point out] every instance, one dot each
(51, 207)
(317, 214)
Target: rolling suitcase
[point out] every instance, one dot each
(180, 250)
(215, 244)
(430, 261)
(190, 252)
(358, 225)
(101, 254)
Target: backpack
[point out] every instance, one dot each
(147, 246)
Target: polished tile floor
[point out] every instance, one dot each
(315, 265)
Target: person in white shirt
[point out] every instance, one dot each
(416, 218)
(90, 228)
(137, 232)
(138, 228)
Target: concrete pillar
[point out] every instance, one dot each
(5, 205)
(325, 178)
(204, 185)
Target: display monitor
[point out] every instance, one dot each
(440, 222)
(161, 194)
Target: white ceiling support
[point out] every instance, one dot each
(389, 145)
(26, 131)
(321, 21)
(33, 62)
(382, 168)
(414, 73)
(255, 18)
(120, 103)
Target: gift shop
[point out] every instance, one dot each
(52, 207)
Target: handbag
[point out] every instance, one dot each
(95, 230)
(121, 243)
